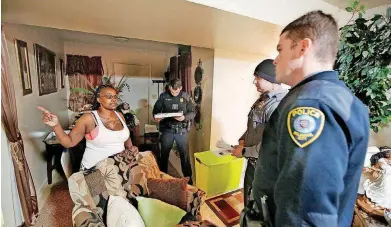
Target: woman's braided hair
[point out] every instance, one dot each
(95, 103)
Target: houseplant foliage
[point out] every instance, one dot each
(364, 59)
(106, 80)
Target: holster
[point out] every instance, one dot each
(252, 216)
(188, 126)
(178, 128)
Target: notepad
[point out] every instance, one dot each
(166, 115)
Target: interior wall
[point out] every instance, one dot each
(377, 10)
(273, 12)
(32, 129)
(199, 139)
(111, 53)
(202, 141)
(135, 52)
(233, 94)
(10, 204)
(382, 138)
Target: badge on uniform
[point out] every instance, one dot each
(181, 99)
(305, 124)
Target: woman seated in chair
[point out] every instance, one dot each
(377, 183)
(104, 128)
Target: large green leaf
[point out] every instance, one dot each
(349, 9)
(355, 4)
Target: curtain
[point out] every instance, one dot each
(173, 68)
(78, 97)
(9, 120)
(84, 75)
(184, 67)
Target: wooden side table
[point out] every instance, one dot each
(53, 154)
(54, 151)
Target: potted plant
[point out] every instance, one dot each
(364, 59)
(120, 86)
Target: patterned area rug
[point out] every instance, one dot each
(227, 206)
(57, 211)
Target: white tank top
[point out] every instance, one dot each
(105, 144)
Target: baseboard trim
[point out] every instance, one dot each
(40, 194)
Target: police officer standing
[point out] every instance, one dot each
(314, 146)
(250, 142)
(175, 128)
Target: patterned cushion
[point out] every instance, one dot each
(171, 191)
(123, 175)
(195, 198)
(196, 224)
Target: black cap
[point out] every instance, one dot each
(266, 70)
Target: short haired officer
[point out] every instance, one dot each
(314, 147)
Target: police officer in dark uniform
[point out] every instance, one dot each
(314, 146)
(175, 128)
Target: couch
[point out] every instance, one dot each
(125, 175)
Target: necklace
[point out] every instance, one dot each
(105, 117)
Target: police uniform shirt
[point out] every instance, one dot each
(259, 114)
(167, 103)
(258, 117)
(313, 151)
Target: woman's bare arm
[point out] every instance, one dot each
(76, 134)
(128, 142)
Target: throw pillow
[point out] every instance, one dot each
(157, 213)
(120, 213)
(171, 191)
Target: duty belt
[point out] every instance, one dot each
(178, 127)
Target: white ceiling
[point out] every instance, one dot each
(170, 21)
(368, 3)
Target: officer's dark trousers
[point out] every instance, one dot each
(248, 181)
(167, 139)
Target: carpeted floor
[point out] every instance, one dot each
(57, 211)
(227, 206)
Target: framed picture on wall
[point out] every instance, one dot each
(46, 70)
(62, 73)
(24, 66)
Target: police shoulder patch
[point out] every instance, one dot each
(305, 125)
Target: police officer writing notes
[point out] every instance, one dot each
(175, 128)
(314, 146)
(262, 109)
